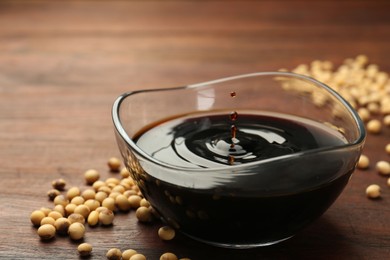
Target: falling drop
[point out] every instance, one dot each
(233, 115)
(233, 130)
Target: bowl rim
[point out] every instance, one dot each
(122, 132)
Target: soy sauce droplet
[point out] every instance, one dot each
(233, 116)
(233, 130)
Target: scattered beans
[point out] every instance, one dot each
(168, 256)
(46, 231)
(383, 167)
(363, 162)
(114, 254)
(91, 176)
(96, 205)
(76, 231)
(166, 233)
(114, 164)
(373, 191)
(84, 249)
(363, 85)
(59, 184)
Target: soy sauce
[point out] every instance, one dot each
(227, 212)
(208, 141)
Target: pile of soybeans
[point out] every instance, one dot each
(367, 89)
(97, 205)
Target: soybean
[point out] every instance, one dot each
(374, 126)
(383, 167)
(55, 214)
(88, 194)
(93, 218)
(166, 233)
(91, 176)
(363, 162)
(114, 254)
(62, 225)
(48, 220)
(122, 202)
(73, 192)
(76, 231)
(138, 257)
(114, 164)
(106, 217)
(387, 148)
(373, 191)
(127, 254)
(76, 218)
(84, 249)
(83, 210)
(59, 184)
(46, 231)
(36, 217)
(53, 193)
(168, 256)
(61, 200)
(144, 214)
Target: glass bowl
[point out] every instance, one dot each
(239, 162)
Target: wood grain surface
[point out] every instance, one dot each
(62, 64)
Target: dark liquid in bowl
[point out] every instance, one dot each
(227, 212)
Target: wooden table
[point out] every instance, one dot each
(62, 63)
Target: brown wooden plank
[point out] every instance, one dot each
(62, 63)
